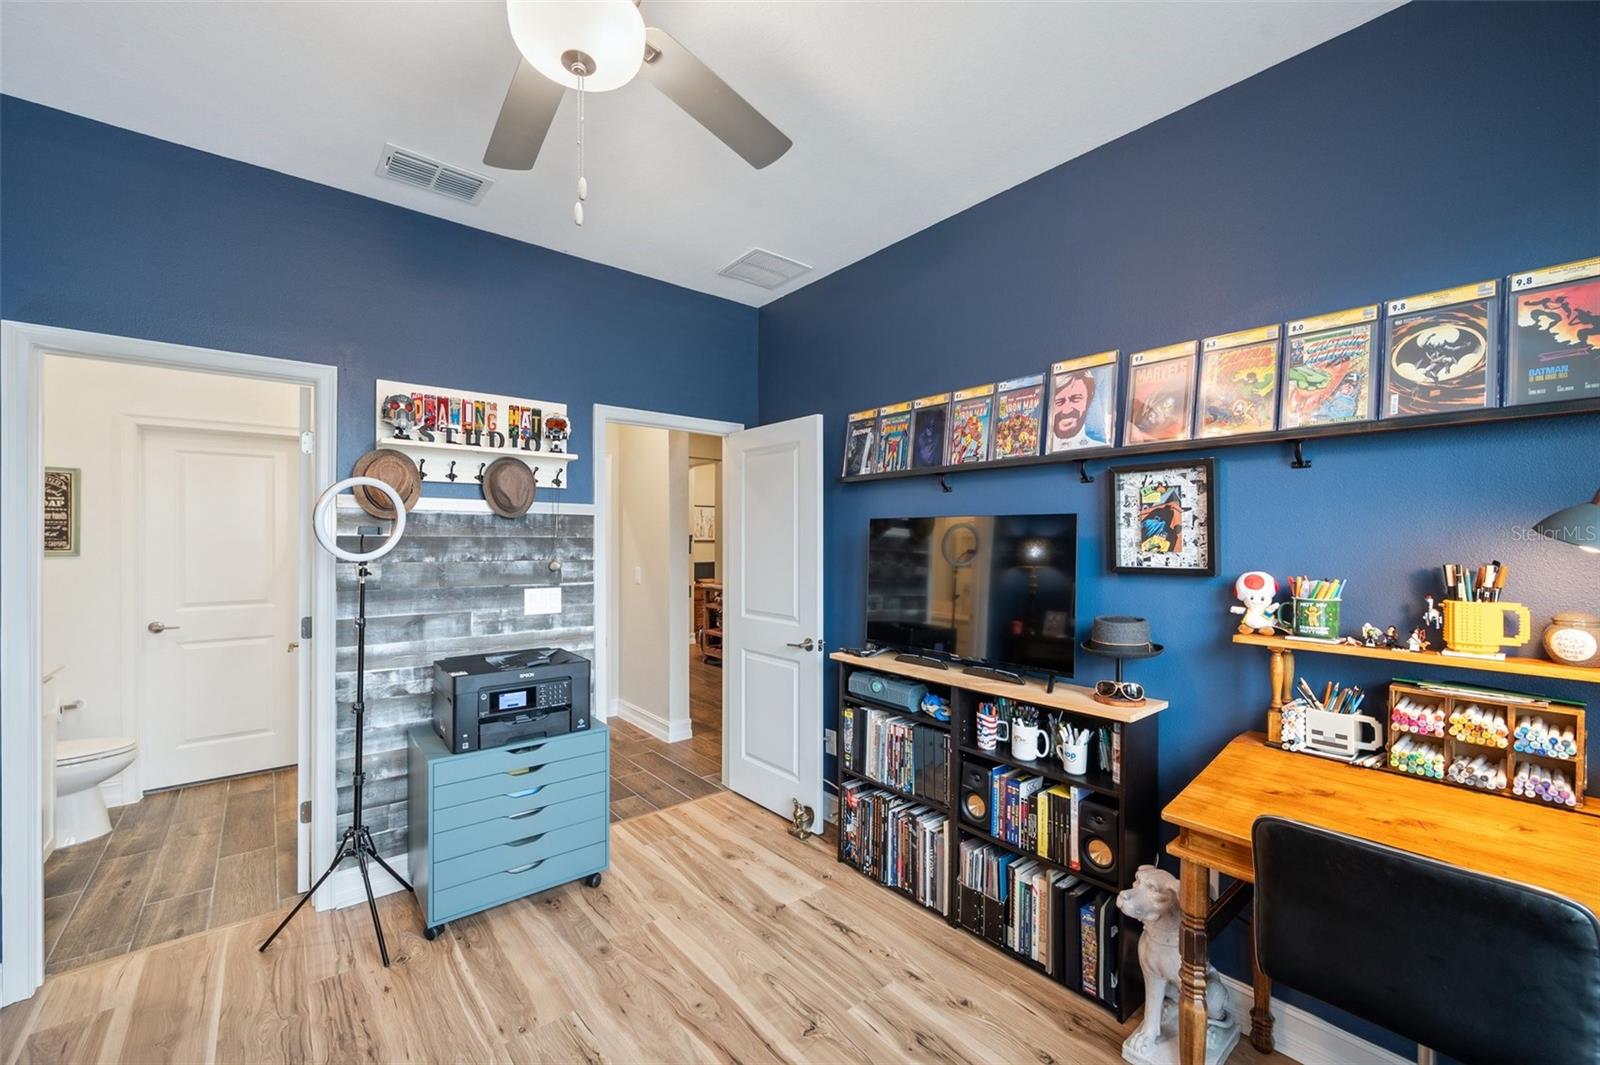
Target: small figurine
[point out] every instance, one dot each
(1371, 636)
(1419, 639)
(555, 431)
(397, 412)
(1391, 638)
(1257, 590)
(1433, 617)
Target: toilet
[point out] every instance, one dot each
(81, 766)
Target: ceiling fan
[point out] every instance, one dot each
(599, 45)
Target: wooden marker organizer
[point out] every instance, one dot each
(1514, 709)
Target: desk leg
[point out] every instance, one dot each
(1261, 1009)
(1194, 951)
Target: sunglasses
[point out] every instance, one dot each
(1126, 690)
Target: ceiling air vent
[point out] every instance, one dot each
(409, 168)
(764, 269)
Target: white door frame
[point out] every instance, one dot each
(22, 350)
(605, 636)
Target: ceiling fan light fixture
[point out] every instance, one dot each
(609, 34)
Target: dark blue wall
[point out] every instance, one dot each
(115, 232)
(1436, 145)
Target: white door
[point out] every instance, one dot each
(772, 625)
(221, 547)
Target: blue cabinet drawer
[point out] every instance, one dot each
(472, 813)
(519, 824)
(517, 881)
(519, 852)
(457, 768)
(526, 779)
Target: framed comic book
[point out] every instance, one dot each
(1163, 518)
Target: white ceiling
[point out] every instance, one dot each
(902, 114)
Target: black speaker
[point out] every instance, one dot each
(1097, 838)
(975, 796)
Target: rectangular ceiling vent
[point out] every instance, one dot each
(410, 168)
(764, 269)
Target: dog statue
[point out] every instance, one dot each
(1153, 902)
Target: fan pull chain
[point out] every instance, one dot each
(583, 182)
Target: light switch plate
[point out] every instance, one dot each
(829, 741)
(541, 600)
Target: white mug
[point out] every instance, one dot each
(1075, 757)
(1029, 742)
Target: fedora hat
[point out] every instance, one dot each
(395, 469)
(509, 487)
(1120, 636)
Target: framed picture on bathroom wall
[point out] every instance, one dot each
(61, 520)
(1163, 518)
(705, 525)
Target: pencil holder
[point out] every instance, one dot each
(1317, 618)
(1480, 628)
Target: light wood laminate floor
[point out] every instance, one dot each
(715, 937)
(175, 862)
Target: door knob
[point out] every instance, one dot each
(805, 645)
(158, 628)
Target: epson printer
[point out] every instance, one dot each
(492, 700)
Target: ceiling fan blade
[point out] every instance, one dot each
(690, 84)
(524, 120)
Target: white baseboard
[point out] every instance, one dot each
(117, 791)
(1307, 1038)
(347, 887)
(653, 723)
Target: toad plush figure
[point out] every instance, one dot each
(1257, 590)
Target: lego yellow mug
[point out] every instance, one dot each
(1480, 628)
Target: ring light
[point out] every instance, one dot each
(328, 538)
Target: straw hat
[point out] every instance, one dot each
(509, 487)
(394, 469)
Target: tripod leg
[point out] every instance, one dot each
(345, 850)
(372, 904)
(373, 850)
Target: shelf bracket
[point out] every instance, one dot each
(1083, 472)
(944, 485)
(1300, 461)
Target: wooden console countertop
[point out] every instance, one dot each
(1065, 697)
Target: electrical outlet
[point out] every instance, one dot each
(541, 600)
(830, 741)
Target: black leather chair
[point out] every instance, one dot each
(1472, 966)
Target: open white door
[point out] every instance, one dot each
(772, 645)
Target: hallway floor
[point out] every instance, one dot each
(176, 862)
(648, 774)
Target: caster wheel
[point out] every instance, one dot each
(432, 932)
(593, 880)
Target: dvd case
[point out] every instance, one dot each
(859, 454)
(1330, 369)
(1553, 336)
(1160, 394)
(894, 438)
(1018, 411)
(1239, 382)
(930, 416)
(1441, 351)
(971, 413)
(1083, 403)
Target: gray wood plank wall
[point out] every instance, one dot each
(452, 586)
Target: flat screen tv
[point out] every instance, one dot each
(996, 590)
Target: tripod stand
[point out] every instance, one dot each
(357, 840)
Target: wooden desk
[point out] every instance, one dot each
(1553, 849)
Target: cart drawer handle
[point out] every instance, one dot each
(525, 750)
(525, 868)
(525, 770)
(526, 840)
(525, 792)
(525, 813)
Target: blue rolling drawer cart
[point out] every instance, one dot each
(490, 826)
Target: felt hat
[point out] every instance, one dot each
(396, 470)
(1120, 636)
(509, 487)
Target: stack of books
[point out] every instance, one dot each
(1013, 815)
(1058, 824)
(896, 751)
(897, 841)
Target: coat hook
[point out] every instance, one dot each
(451, 476)
(422, 469)
(1083, 472)
(944, 485)
(557, 482)
(1300, 461)
(481, 467)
